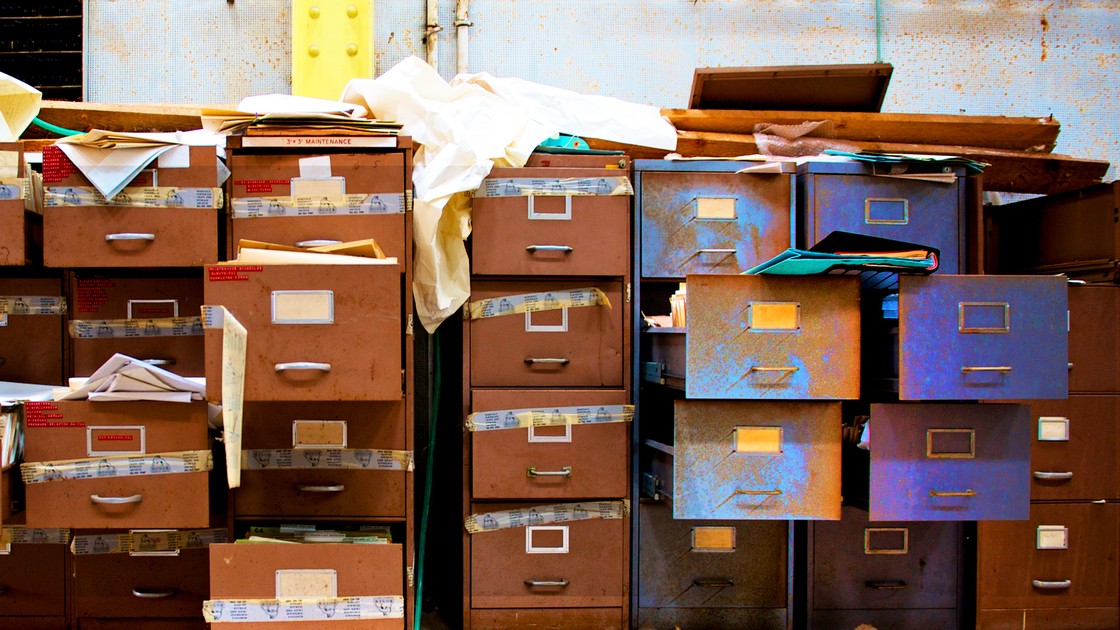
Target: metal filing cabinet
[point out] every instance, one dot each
(33, 584)
(21, 228)
(1074, 443)
(42, 361)
(157, 587)
(1094, 338)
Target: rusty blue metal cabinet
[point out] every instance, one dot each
(982, 337)
(870, 199)
(756, 460)
(773, 337)
(950, 462)
(705, 217)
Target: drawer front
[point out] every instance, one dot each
(543, 349)
(982, 337)
(912, 619)
(41, 361)
(703, 564)
(547, 619)
(7, 493)
(98, 298)
(911, 211)
(120, 585)
(507, 463)
(1015, 573)
(15, 234)
(1048, 619)
(359, 307)
(714, 618)
(387, 229)
(325, 492)
(864, 565)
(33, 578)
(950, 462)
(540, 235)
(104, 236)
(756, 460)
(1094, 339)
(723, 223)
(271, 175)
(773, 337)
(593, 564)
(1073, 449)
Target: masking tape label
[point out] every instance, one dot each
(118, 466)
(20, 535)
(148, 541)
(335, 609)
(146, 197)
(334, 458)
(534, 302)
(544, 514)
(581, 186)
(32, 305)
(325, 205)
(523, 418)
(14, 188)
(135, 328)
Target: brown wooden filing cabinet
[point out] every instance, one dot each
(554, 231)
(33, 584)
(21, 226)
(33, 345)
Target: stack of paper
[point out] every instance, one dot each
(294, 124)
(296, 534)
(11, 436)
(903, 158)
(365, 252)
(100, 139)
(844, 252)
(125, 378)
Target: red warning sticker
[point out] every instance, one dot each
(46, 415)
(228, 273)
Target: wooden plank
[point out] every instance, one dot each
(997, 132)
(116, 117)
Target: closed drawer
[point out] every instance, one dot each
(705, 564)
(21, 234)
(557, 462)
(326, 491)
(33, 578)
(950, 462)
(1094, 339)
(41, 361)
(94, 429)
(515, 232)
(1073, 449)
(98, 300)
(250, 572)
(703, 217)
(120, 585)
(982, 337)
(388, 230)
(1048, 619)
(105, 236)
(906, 619)
(864, 565)
(756, 460)
(1065, 556)
(547, 619)
(714, 618)
(566, 347)
(852, 198)
(304, 324)
(773, 337)
(580, 564)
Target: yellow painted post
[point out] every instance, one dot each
(332, 42)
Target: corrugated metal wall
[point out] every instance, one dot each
(1026, 58)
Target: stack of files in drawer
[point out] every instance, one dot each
(547, 396)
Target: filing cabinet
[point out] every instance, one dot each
(33, 585)
(1094, 338)
(1073, 449)
(33, 345)
(869, 199)
(21, 227)
(120, 586)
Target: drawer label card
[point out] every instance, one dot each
(118, 466)
(546, 539)
(984, 317)
(138, 309)
(318, 205)
(32, 305)
(303, 307)
(951, 443)
(713, 539)
(318, 434)
(886, 540)
(46, 415)
(230, 273)
(558, 187)
(714, 208)
(546, 514)
(532, 302)
(1053, 429)
(136, 197)
(20, 535)
(306, 583)
(116, 440)
(774, 317)
(556, 416)
(336, 609)
(758, 440)
(1053, 537)
(327, 458)
(136, 328)
(148, 542)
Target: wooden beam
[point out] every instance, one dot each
(116, 117)
(997, 132)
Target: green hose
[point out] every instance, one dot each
(427, 480)
(62, 131)
(878, 33)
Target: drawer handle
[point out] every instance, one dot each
(1005, 369)
(3, 589)
(714, 583)
(144, 593)
(1051, 585)
(548, 361)
(729, 252)
(308, 488)
(129, 236)
(1052, 475)
(159, 361)
(887, 585)
(303, 365)
(96, 498)
(318, 242)
(545, 583)
(549, 248)
(966, 493)
(532, 471)
(759, 368)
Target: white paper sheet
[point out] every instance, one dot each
(13, 392)
(248, 255)
(19, 105)
(107, 379)
(110, 170)
(291, 104)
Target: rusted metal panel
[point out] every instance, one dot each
(756, 460)
(773, 337)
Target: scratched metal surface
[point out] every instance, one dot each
(712, 481)
(727, 359)
(903, 476)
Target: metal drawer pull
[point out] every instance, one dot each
(146, 594)
(306, 488)
(534, 583)
(1052, 475)
(318, 242)
(887, 585)
(719, 583)
(129, 236)
(532, 471)
(549, 361)
(1001, 368)
(96, 498)
(159, 361)
(1051, 585)
(717, 251)
(549, 248)
(759, 368)
(966, 493)
(303, 365)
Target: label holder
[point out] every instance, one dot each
(300, 424)
(173, 303)
(868, 532)
(282, 301)
(1052, 537)
(1053, 429)
(531, 548)
(90, 441)
(306, 583)
(561, 327)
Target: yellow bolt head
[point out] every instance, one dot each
(352, 11)
(352, 49)
(313, 50)
(314, 12)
